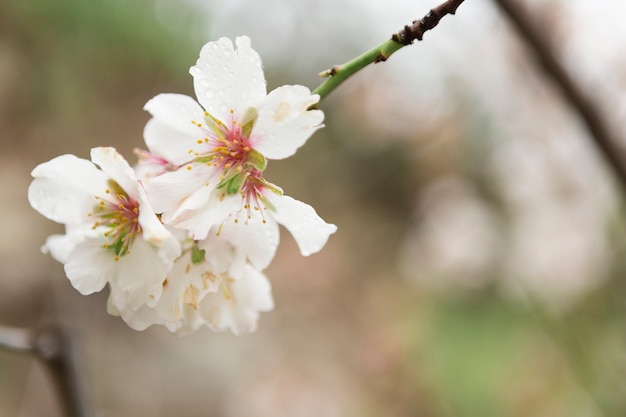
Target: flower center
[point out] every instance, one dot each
(119, 214)
(228, 147)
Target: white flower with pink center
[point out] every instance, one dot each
(112, 233)
(221, 146)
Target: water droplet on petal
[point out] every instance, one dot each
(204, 82)
(196, 69)
(209, 94)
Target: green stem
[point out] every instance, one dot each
(339, 73)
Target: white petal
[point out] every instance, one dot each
(140, 275)
(217, 210)
(90, 266)
(167, 191)
(155, 233)
(239, 311)
(60, 246)
(308, 229)
(115, 167)
(64, 187)
(226, 79)
(187, 284)
(177, 111)
(169, 143)
(252, 240)
(284, 122)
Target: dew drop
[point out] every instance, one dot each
(209, 94)
(196, 70)
(204, 82)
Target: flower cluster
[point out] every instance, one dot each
(182, 238)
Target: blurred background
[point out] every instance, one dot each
(479, 265)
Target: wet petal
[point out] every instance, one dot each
(284, 122)
(225, 78)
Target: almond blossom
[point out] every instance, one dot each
(215, 282)
(112, 233)
(182, 238)
(221, 145)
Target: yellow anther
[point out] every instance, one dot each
(199, 141)
(188, 167)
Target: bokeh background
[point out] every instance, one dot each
(479, 266)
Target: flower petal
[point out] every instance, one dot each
(60, 246)
(169, 143)
(226, 79)
(115, 167)
(139, 277)
(237, 306)
(252, 240)
(177, 111)
(90, 267)
(284, 122)
(169, 190)
(64, 187)
(217, 210)
(154, 232)
(308, 229)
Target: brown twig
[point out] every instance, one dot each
(52, 347)
(580, 101)
(416, 31)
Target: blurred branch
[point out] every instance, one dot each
(339, 73)
(50, 345)
(534, 35)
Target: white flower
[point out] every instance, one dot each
(112, 234)
(221, 147)
(211, 284)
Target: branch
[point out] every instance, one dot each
(51, 346)
(547, 54)
(339, 73)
